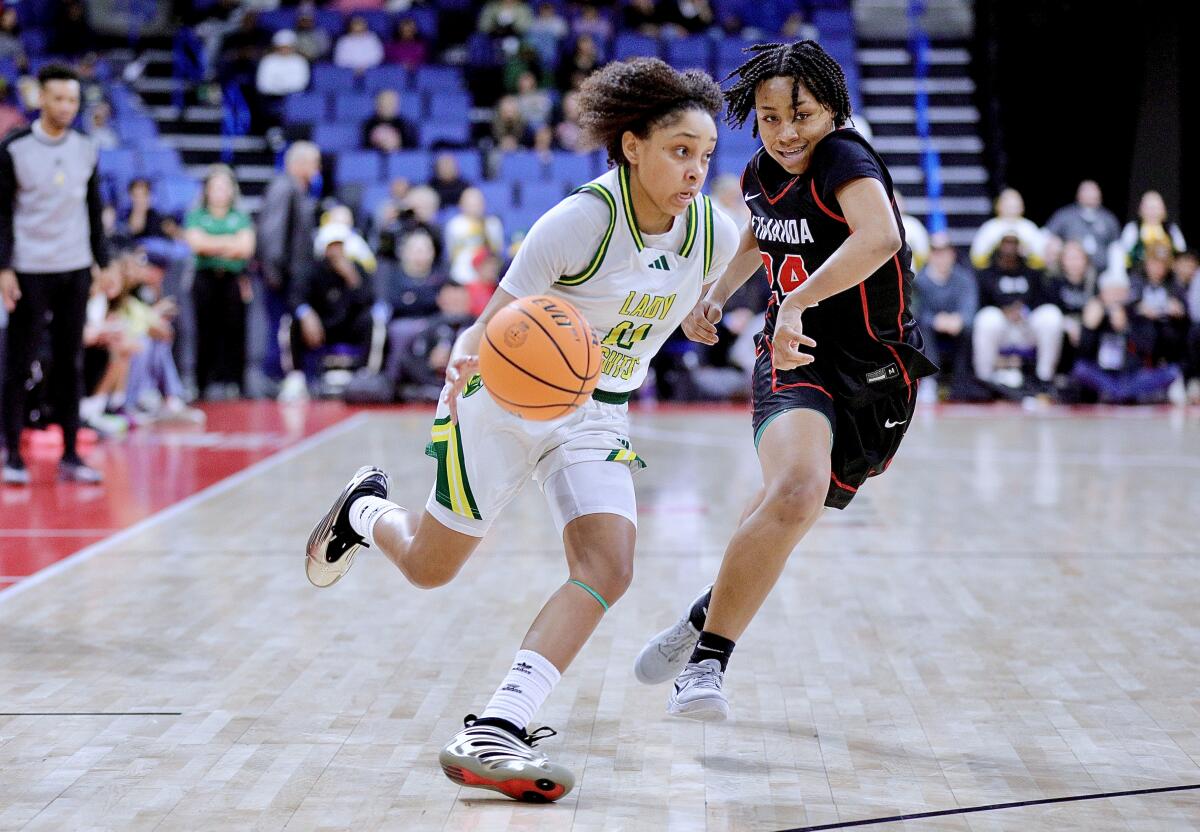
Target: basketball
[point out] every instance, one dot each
(539, 359)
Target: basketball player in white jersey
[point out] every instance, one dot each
(632, 251)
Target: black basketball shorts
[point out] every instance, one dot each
(864, 438)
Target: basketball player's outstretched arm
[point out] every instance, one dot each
(464, 356)
(873, 239)
(700, 324)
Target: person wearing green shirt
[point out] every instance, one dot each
(222, 239)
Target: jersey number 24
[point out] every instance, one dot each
(790, 275)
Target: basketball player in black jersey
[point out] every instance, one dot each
(835, 383)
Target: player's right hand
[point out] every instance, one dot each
(458, 373)
(10, 290)
(701, 323)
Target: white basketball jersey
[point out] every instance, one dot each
(634, 295)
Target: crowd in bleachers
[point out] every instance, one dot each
(421, 145)
(1080, 310)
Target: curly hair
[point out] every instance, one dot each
(804, 61)
(640, 95)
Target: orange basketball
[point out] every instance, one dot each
(539, 358)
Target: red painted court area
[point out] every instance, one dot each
(145, 472)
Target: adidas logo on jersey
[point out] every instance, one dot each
(661, 263)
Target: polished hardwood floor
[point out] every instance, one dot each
(1009, 615)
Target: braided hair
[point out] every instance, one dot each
(640, 95)
(804, 61)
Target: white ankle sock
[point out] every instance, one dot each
(365, 513)
(524, 689)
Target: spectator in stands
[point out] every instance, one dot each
(334, 220)
(690, 16)
(487, 266)
(583, 59)
(51, 240)
(642, 17)
(410, 288)
(590, 22)
(447, 179)
(568, 133)
(1152, 227)
(283, 70)
(1087, 222)
(11, 47)
(471, 229)
(1108, 363)
(331, 304)
(153, 389)
(505, 18)
(71, 34)
(533, 102)
(1014, 315)
(509, 130)
(1186, 275)
(387, 130)
(98, 127)
(1070, 290)
(1158, 309)
(359, 48)
(416, 211)
(423, 357)
(1009, 220)
(286, 223)
(408, 47)
(946, 298)
(241, 50)
(915, 235)
(548, 24)
(222, 237)
(143, 220)
(796, 27)
(311, 40)
(11, 116)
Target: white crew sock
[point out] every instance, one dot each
(524, 689)
(365, 513)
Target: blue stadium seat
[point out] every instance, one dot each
(738, 143)
(335, 138)
(522, 165)
(331, 21)
(412, 105)
(833, 22)
(117, 163)
(450, 105)
(136, 129)
(729, 55)
(330, 78)
(541, 196)
(176, 194)
(305, 108)
(689, 53)
(499, 197)
(440, 78)
(159, 162)
(353, 107)
(631, 45)
(34, 41)
(470, 164)
(442, 134)
(427, 18)
(364, 166)
(573, 168)
(372, 197)
(414, 165)
(275, 19)
(385, 77)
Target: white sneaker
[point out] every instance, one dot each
(697, 693)
(294, 387)
(666, 653)
(1177, 392)
(489, 757)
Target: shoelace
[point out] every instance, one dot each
(701, 676)
(545, 732)
(679, 639)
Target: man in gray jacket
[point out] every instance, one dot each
(51, 237)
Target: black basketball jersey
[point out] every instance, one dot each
(867, 340)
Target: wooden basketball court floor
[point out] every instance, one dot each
(1009, 616)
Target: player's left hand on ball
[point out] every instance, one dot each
(458, 373)
(785, 348)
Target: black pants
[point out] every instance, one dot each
(62, 298)
(353, 330)
(220, 328)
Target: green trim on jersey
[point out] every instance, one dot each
(689, 237)
(452, 491)
(627, 202)
(708, 236)
(602, 251)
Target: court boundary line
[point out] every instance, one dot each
(992, 807)
(219, 487)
